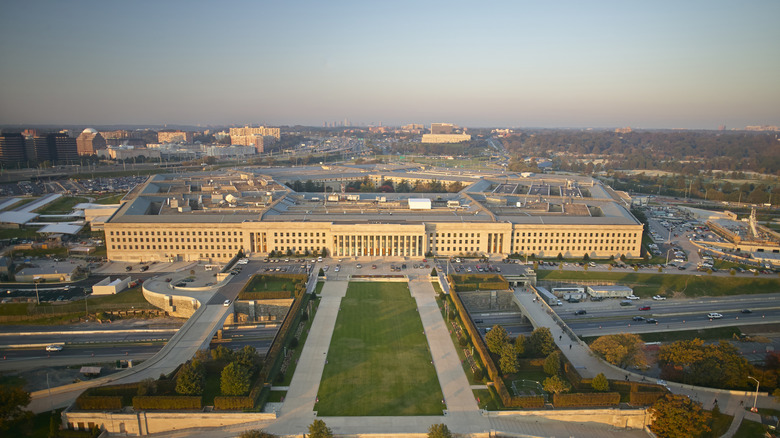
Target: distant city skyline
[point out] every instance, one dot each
(695, 64)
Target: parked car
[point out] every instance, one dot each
(659, 297)
(632, 297)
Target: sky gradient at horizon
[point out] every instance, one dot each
(693, 64)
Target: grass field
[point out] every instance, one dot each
(379, 363)
(647, 285)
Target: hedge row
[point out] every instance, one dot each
(274, 352)
(644, 398)
(233, 403)
(70, 433)
(270, 295)
(241, 403)
(636, 386)
(167, 402)
(494, 286)
(526, 401)
(580, 399)
(99, 402)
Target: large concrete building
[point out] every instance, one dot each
(56, 148)
(260, 130)
(212, 216)
(89, 142)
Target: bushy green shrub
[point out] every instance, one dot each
(169, 402)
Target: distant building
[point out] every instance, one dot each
(762, 128)
(12, 148)
(255, 140)
(89, 142)
(174, 137)
(443, 128)
(119, 133)
(260, 130)
(130, 152)
(57, 147)
(445, 138)
(625, 130)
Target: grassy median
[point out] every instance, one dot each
(379, 363)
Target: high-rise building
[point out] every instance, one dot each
(89, 142)
(256, 140)
(12, 148)
(443, 128)
(57, 147)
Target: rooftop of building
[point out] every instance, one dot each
(260, 194)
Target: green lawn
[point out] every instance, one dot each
(379, 362)
(63, 205)
(110, 199)
(19, 233)
(750, 429)
(646, 285)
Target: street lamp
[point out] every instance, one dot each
(755, 399)
(36, 280)
(667, 255)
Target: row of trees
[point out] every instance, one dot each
(539, 344)
(686, 152)
(235, 376)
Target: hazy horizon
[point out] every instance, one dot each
(661, 65)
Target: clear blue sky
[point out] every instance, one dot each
(652, 64)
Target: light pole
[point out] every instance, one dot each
(755, 399)
(35, 281)
(667, 255)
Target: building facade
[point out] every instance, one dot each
(12, 149)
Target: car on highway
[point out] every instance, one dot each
(651, 321)
(226, 303)
(746, 311)
(54, 348)
(638, 318)
(358, 266)
(714, 315)
(580, 312)
(626, 303)
(659, 297)
(644, 308)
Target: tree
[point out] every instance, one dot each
(221, 353)
(12, 401)
(439, 431)
(541, 342)
(248, 358)
(555, 385)
(716, 365)
(508, 362)
(600, 383)
(776, 395)
(234, 380)
(623, 350)
(318, 429)
(520, 343)
(190, 379)
(676, 416)
(147, 387)
(496, 338)
(552, 364)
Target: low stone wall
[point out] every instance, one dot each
(486, 301)
(145, 423)
(250, 311)
(619, 418)
(175, 305)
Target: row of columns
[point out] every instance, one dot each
(373, 245)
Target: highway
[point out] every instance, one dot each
(607, 317)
